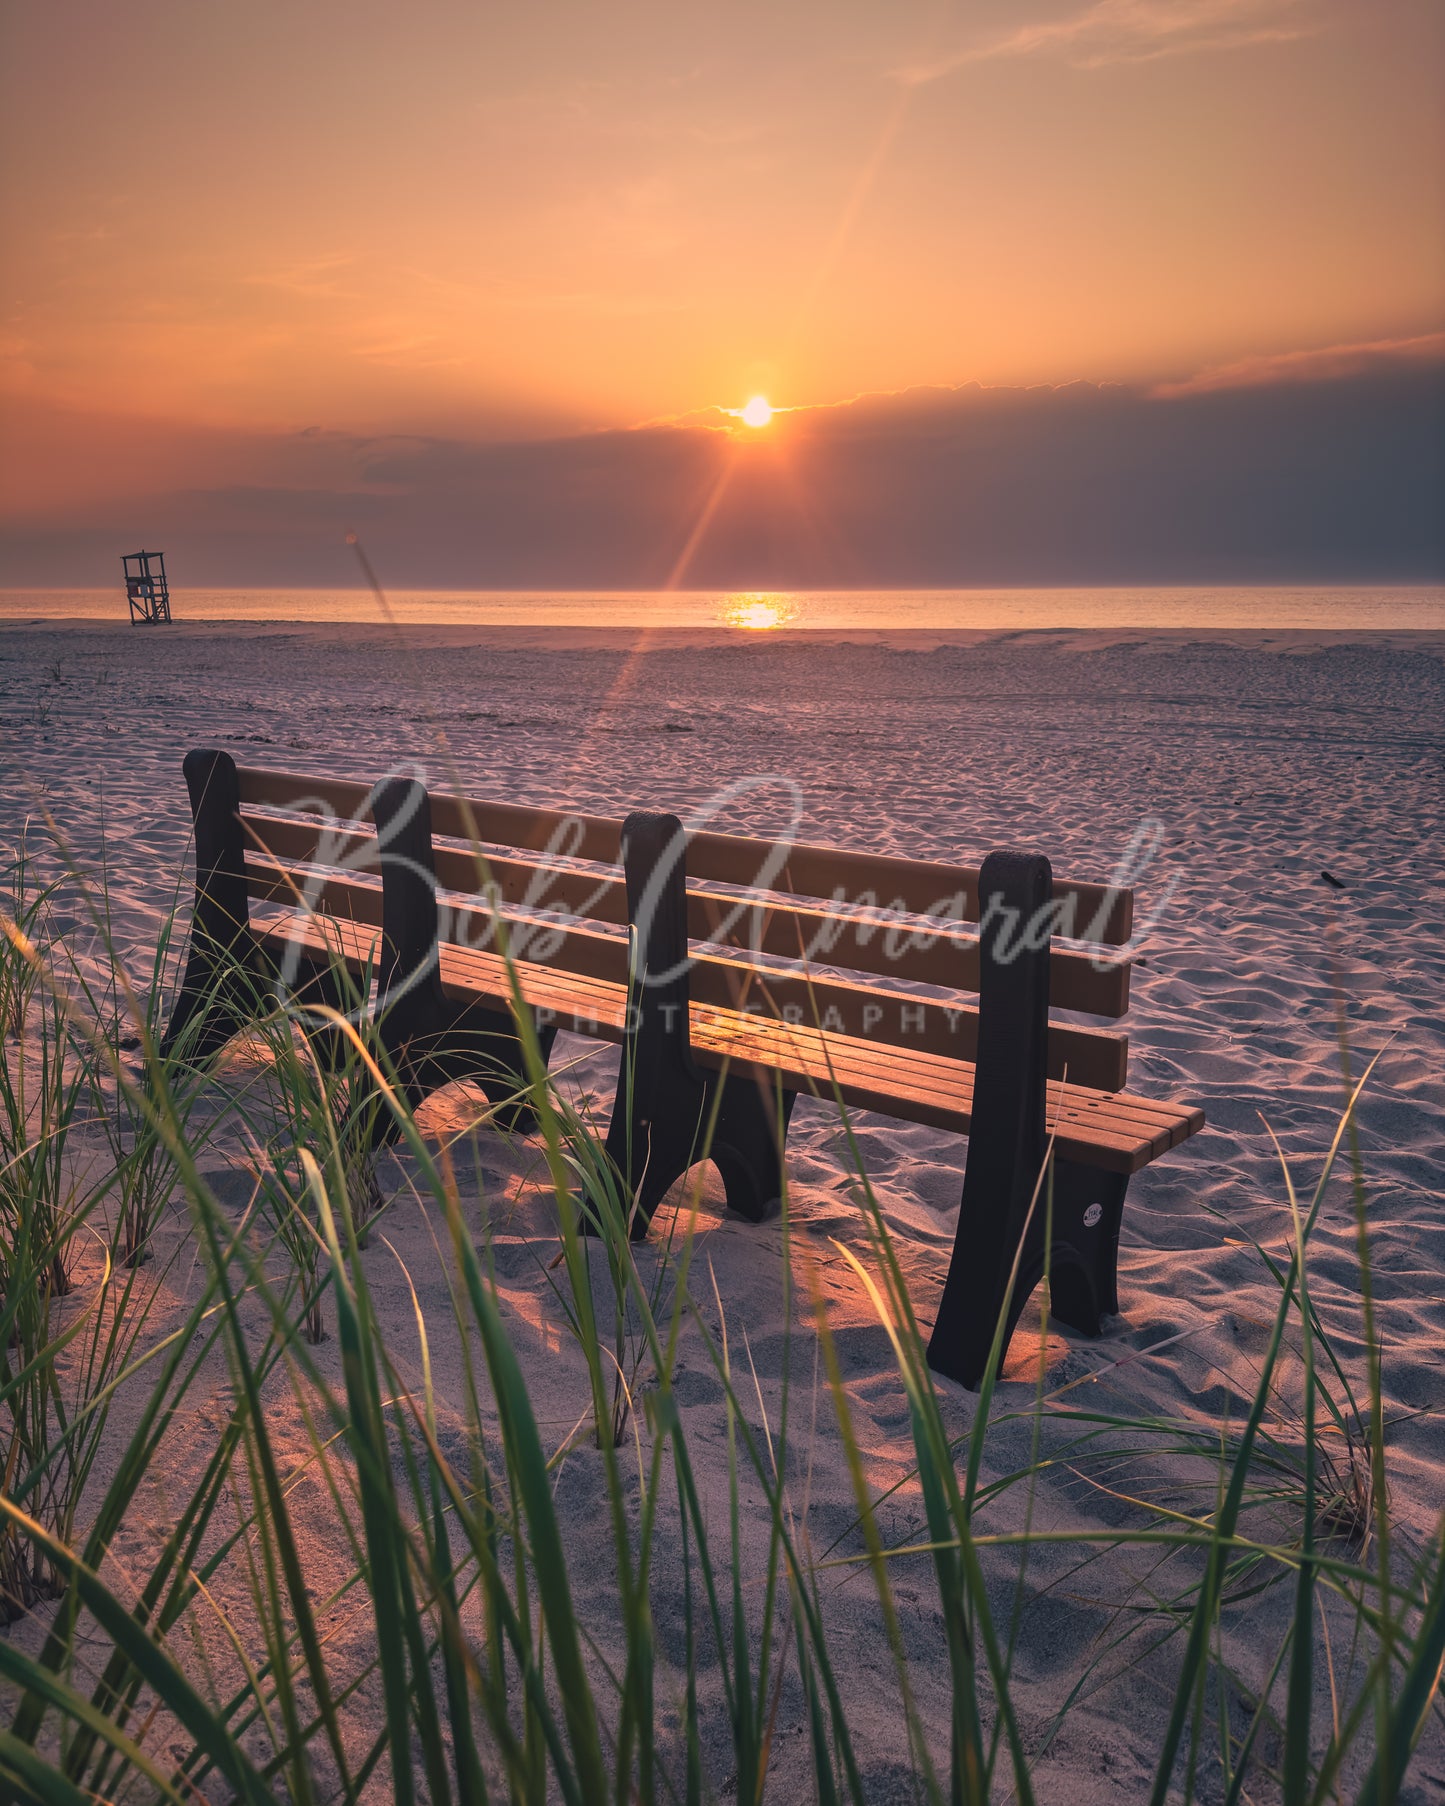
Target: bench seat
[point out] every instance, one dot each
(1111, 1130)
(1114, 1131)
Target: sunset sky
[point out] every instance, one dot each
(274, 269)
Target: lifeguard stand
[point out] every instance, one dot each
(146, 588)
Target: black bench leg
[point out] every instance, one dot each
(656, 1133)
(1084, 1262)
(661, 1128)
(225, 978)
(748, 1143)
(476, 1044)
(659, 1117)
(428, 1039)
(668, 1115)
(333, 987)
(1006, 1142)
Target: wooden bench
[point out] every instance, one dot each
(759, 971)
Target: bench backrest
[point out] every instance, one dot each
(770, 924)
(322, 844)
(292, 823)
(819, 936)
(881, 923)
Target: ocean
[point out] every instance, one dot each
(1343, 608)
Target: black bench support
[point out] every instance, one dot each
(229, 979)
(211, 1005)
(669, 1114)
(1007, 1145)
(430, 1039)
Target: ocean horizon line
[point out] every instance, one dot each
(1344, 608)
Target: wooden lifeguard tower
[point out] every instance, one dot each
(146, 588)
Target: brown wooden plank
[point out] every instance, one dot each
(566, 832)
(1087, 1142)
(1097, 1058)
(1114, 1131)
(782, 928)
(535, 883)
(827, 1064)
(868, 1013)
(561, 946)
(910, 952)
(1121, 1134)
(322, 935)
(295, 890)
(1088, 912)
(1094, 912)
(305, 839)
(581, 1003)
(917, 952)
(306, 793)
(927, 1074)
(566, 946)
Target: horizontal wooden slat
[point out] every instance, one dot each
(535, 884)
(1115, 1131)
(1086, 1056)
(305, 839)
(926, 1077)
(564, 946)
(1087, 912)
(568, 833)
(559, 946)
(358, 944)
(861, 1011)
(910, 952)
(858, 1010)
(1090, 912)
(330, 897)
(307, 793)
(786, 930)
(584, 1003)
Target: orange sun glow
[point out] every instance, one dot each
(758, 613)
(757, 412)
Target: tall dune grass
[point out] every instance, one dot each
(213, 1668)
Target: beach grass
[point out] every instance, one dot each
(207, 1663)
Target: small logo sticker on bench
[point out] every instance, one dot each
(1092, 1215)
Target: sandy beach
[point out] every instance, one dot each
(1257, 761)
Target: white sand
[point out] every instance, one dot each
(1267, 758)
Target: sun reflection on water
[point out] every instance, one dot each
(758, 611)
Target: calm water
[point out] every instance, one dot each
(1343, 608)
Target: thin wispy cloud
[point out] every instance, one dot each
(1133, 31)
(1330, 363)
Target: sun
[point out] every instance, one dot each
(757, 412)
